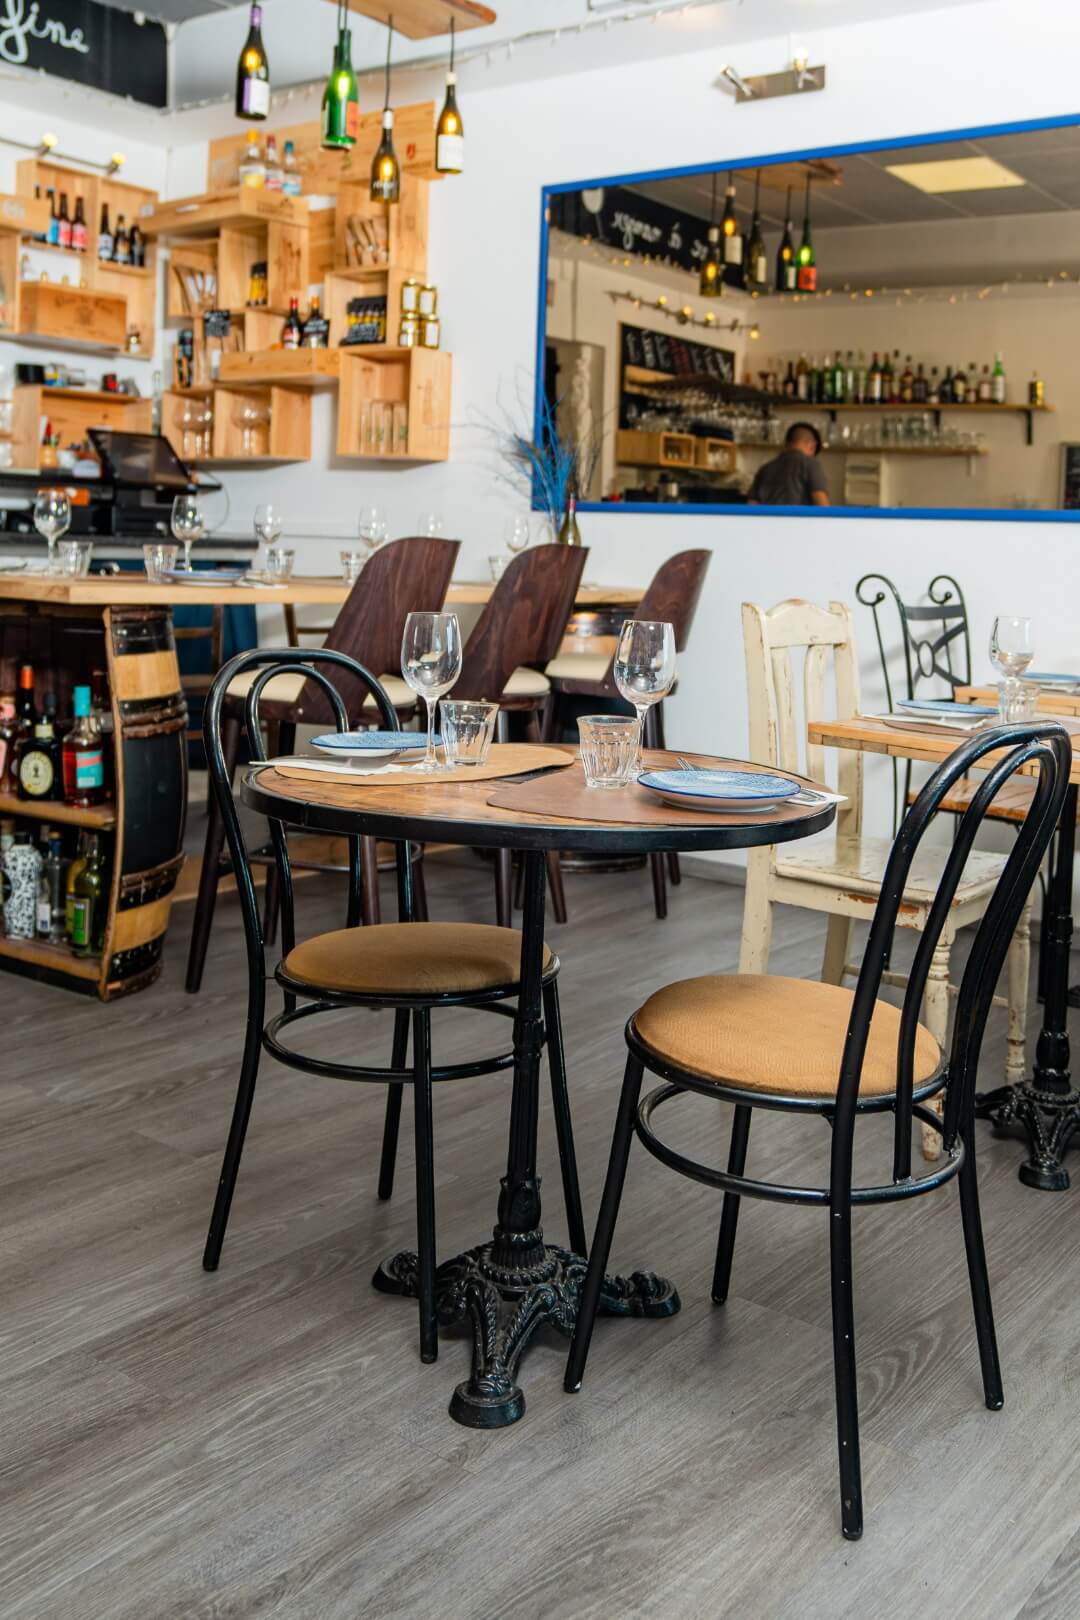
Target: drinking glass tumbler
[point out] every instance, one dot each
(430, 664)
(1017, 700)
(279, 562)
(352, 564)
(467, 730)
(158, 561)
(609, 749)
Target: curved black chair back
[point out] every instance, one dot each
(1044, 745)
(273, 661)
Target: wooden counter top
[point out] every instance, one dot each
(134, 590)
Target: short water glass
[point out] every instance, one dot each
(609, 749)
(186, 524)
(159, 560)
(279, 562)
(645, 665)
(498, 567)
(52, 518)
(1017, 700)
(467, 730)
(431, 664)
(352, 566)
(73, 557)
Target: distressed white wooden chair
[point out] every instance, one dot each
(840, 873)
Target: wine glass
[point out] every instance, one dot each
(516, 533)
(269, 523)
(645, 666)
(186, 524)
(429, 523)
(52, 518)
(372, 528)
(249, 418)
(430, 664)
(1011, 652)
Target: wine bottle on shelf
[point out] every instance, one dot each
(293, 330)
(78, 228)
(873, 381)
(947, 394)
(136, 247)
(790, 382)
(998, 386)
(40, 236)
(275, 175)
(252, 167)
(959, 386)
(83, 755)
(121, 243)
(806, 280)
(63, 223)
(316, 329)
(986, 391)
(105, 236)
(52, 235)
(786, 268)
(933, 387)
(291, 182)
(1036, 391)
(757, 268)
(802, 379)
(90, 903)
(972, 391)
(253, 72)
(39, 761)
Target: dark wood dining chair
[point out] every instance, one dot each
(415, 968)
(517, 633)
(406, 576)
(823, 1051)
(672, 598)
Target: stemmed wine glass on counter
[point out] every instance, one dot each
(372, 529)
(187, 525)
(430, 665)
(52, 518)
(1011, 652)
(645, 666)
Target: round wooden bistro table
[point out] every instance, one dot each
(513, 1283)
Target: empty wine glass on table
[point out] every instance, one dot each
(430, 665)
(517, 534)
(372, 528)
(187, 525)
(1011, 652)
(645, 666)
(52, 518)
(429, 523)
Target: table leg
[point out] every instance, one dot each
(1047, 1107)
(516, 1283)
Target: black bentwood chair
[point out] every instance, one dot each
(813, 1048)
(413, 967)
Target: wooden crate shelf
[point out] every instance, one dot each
(322, 172)
(75, 317)
(25, 216)
(72, 411)
(425, 19)
(418, 378)
(239, 208)
(636, 449)
(42, 953)
(297, 368)
(100, 817)
(286, 437)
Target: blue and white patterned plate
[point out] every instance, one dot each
(945, 707)
(1046, 677)
(372, 744)
(717, 791)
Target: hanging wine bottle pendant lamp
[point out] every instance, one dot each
(385, 169)
(341, 98)
(711, 280)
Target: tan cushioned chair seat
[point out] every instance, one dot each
(578, 667)
(770, 1034)
(410, 958)
(526, 683)
(286, 688)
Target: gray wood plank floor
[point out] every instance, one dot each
(264, 1441)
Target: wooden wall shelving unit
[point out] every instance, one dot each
(417, 378)
(72, 411)
(285, 437)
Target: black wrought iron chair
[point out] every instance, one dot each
(812, 1048)
(412, 967)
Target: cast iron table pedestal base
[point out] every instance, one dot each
(1046, 1108)
(510, 1287)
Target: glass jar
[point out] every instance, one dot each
(428, 300)
(409, 332)
(410, 297)
(430, 332)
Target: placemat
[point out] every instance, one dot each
(504, 759)
(566, 796)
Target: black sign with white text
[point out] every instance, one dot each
(92, 44)
(627, 223)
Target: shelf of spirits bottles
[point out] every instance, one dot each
(53, 959)
(832, 408)
(98, 817)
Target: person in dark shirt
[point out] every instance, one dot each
(795, 477)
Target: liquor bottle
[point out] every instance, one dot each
(997, 381)
(63, 223)
(121, 243)
(25, 713)
(757, 267)
(734, 273)
(827, 385)
(341, 98)
(569, 533)
(873, 381)
(78, 228)
(948, 395)
(253, 72)
(39, 759)
(986, 390)
(75, 867)
(8, 732)
(7, 838)
(385, 169)
(22, 868)
(101, 709)
(972, 390)
(1036, 391)
(450, 132)
(83, 755)
(252, 167)
(52, 235)
(40, 236)
(291, 182)
(806, 280)
(907, 384)
(292, 331)
(959, 386)
(888, 380)
(791, 383)
(919, 386)
(50, 905)
(933, 389)
(136, 246)
(786, 268)
(90, 903)
(840, 379)
(802, 379)
(815, 382)
(857, 379)
(275, 174)
(316, 329)
(105, 236)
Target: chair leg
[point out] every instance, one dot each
(420, 905)
(369, 869)
(210, 874)
(271, 904)
(977, 1273)
(837, 946)
(729, 1215)
(393, 1106)
(847, 1395)
(560, 1100)
(1019, 973)
(937, 1022)
(425, 1184)
(234, 1147)
(757, 915)
(605, 1226)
